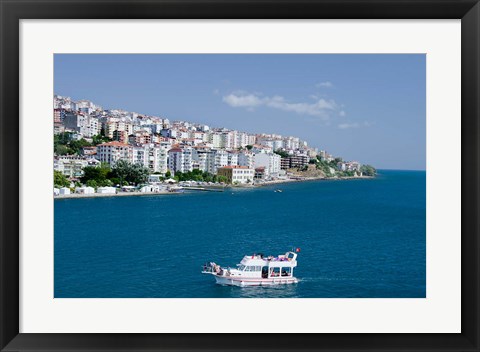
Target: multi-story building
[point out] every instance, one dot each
(74, 121)
(232, 158)
(237, 174)
(294, 161)
(141, 137)
(115, 124)
(270, 161)
(180, 159)
(112, 152)
(72, 165)
(122, 137)
(204, 159)
(168, 133)
(91, 127)
(348, 166)
(220, 159)
(58, 115)
(215, 139)
(241, 140)
(86, 106)
(246, 158)
(154, 157)
(251, 139)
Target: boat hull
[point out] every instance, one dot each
(242, 282)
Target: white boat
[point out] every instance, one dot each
(256, 270)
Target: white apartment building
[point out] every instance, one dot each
(246, 159)
(220, 159)
(117, 125)
(241, 140)
(215, 139)
(87, 106)
(111, 152)
(154, 157)
(71, 165)
(180, 159)
(251, 139)
(91, 127)
(277, 144)
(232, 158)
(204, 159)
(270, 161)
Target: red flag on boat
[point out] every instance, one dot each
(297, 250)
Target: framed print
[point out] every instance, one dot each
(178, 175)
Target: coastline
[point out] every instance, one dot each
(306, 179)
(101, 195)
(162, 193)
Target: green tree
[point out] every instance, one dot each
(139, 174)
(99, 139)
(61, 149)
(92, 183)
(106, 183)
(368, 170)
(249, 147)
(168, 174)
(76, 146)
(132, 173)
(96, 173)
(221, 178)
(60, 180)
(282, 153)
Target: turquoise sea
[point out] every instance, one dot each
(358, 238)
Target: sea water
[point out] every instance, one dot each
(357, 238)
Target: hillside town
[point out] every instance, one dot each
(172, 155)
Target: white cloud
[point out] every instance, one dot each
(320, 108)
(342, 113)
(326, 84)
(344, 126)
(216, 92)
(247, 101)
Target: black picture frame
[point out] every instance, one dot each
(14, 10)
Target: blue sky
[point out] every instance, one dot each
(369, 108)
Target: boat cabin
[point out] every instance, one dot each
(258, 266)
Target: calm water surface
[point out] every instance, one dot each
(358, 238)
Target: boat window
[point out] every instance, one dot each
(286, 271)
(274, 272)
(241, 267)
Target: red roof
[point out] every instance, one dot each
(175, 150)
(113, 144)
